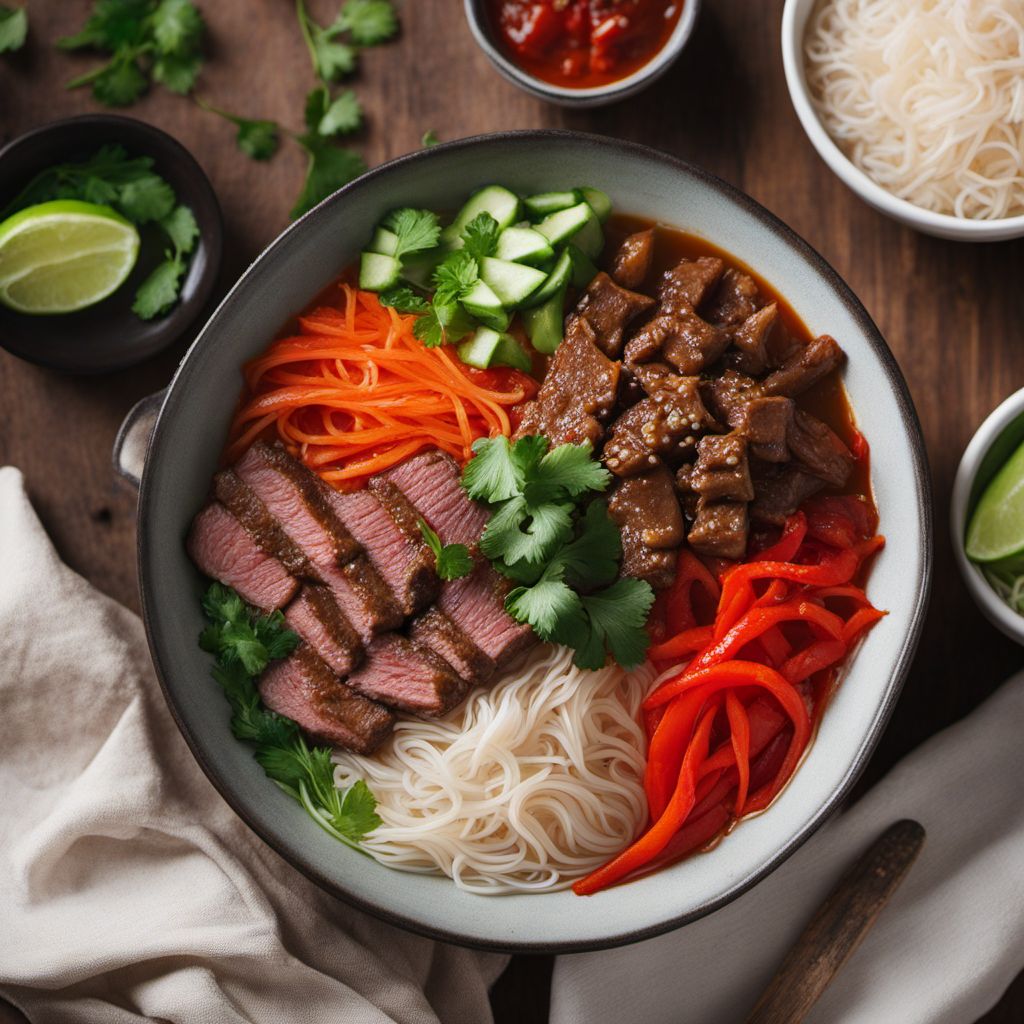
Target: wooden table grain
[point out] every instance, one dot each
(951, 312)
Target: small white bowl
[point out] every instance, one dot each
(962, 229)
(993, 443)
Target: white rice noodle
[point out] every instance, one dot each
(531, 783)
(926, 97)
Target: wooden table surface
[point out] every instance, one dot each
(951, 312)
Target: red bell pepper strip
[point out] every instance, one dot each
(698, 831)
(786, 547)
(739, 734)
(822, 654)
(679, 611)
(667, 749)
(688, 642)
(859, 622)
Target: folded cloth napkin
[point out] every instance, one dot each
(942, 951)
(128, 889)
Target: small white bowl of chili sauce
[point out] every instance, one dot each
(582, 53)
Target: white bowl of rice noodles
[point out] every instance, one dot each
(917, 105)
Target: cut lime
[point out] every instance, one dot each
(996, 530)
(64, 255)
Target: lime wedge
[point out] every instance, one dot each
(64, 255)
(996, 529)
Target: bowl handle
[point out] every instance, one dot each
(132, 441)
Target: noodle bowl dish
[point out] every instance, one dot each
(517, 549)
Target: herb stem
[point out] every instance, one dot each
(300, 13)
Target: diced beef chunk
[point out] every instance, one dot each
(765, 422)
(578, 392)
(303, 688)
(806, 366)
(608, 308)
(435, 630)
(750, 340)
(684, 287)
(392, 540)
(404, 674)
(632, 262)
(780, 490)
(241, 501)
(683, 339)
(223, 549)
(316, 617)
(431, 483)
(647, 512)
(720, 529)
(298, 499)
(688, 497)
(476, 604)
(815, 445)
(727, 396)
(722, 469)
(734, 300)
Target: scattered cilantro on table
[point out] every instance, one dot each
(244, 642)
(429, 138)
(453, 561)
(13, 28)
(548, 533)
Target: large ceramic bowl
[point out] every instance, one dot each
(194, 420)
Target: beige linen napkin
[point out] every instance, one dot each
(128, 889)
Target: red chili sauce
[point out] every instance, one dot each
(581, 44)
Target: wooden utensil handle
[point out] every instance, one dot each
(838, 926)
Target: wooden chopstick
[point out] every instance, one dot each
(838, 926)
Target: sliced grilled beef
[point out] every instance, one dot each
(224, 550)
(734, 300)
(765, 423)
(387, 529)
(578, 392)
(683, 288)
(632, 262)
(720, 529)
(647, 512)
(476, 604)
(316, 617)
(683, 339)
(608, 308)
(303, 688)
(804, 367)
(820, 451)
(723, 469)
(404, 674)
(431, 484)
(750, 341)
(780, 490)
(435, 630)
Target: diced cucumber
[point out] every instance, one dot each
(543, 203)
(578, 223)
(510, 353)
(482, 303)
(600, 202)
(378, 272)
(556, 280)
(418, 268)
(584, 269)
(384, 241)
(590, 237)
(523, 245)
(513, 283)
(496, 200)
(479, 350)
(545, 324)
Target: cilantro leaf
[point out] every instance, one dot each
(519, 532)
(480, 236)
(181, 228)
(417, 230)
(257, 139)
(617, 616)
(177, 27)
(573, 468)
(113, 24)
(238, 635)
(453, 561)
(454, 276)
(592, 559)
(119, 84)
(146, 198)
(329, 168)
(331, 60)
(546, 606)
(444, 323)
(13, 28)
(370, 22)
(491, 475)
(177, 73)
(343, 116)
(429, 138)
(404, 299)
(160, 290)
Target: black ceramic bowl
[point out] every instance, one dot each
(109, 336)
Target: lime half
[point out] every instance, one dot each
(64, 255)
(996, 530)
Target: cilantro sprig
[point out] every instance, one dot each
(244, 642)
(453, 561)
(13, 28)
(363, 22)
(551, 535)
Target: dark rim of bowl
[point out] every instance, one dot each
(599, 95)
(177, 398)
(213, 241)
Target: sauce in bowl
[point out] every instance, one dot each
(583, 44)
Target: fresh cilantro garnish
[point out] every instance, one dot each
(480, 236)
(13, 28)
(444, 323)
(370, 22)
(453, 561)
(343, 116)
(429, 138)
(454, 276)
(365, 22)
(417, 230)
(404, 299)
(160, 290)
(550, 535)
(244, 642)
(159, 40)
(256, 138)
(146, 198)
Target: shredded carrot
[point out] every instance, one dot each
(355, 392)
